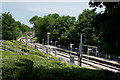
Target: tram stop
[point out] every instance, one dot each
(50, 49)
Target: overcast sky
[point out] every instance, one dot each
(23, 11)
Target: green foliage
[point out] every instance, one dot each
(39, 66)
(85, 26)
(62, 28)
(0, 27)
(107, 27)
(10, 30)
(100, 29)
(23, 28)
(58, 26)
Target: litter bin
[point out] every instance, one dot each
(47, 50)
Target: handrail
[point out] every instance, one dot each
(15, 49)
(102, 60)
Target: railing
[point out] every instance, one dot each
(71, 55)
(95, 52)
(8, 48)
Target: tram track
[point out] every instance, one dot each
(91, 61)
(97, 64)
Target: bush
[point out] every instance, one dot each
(40, 66)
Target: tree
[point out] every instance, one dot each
(0, 27)
(10, 30)
(107, 26)
(85, 26)
(24, 28)
(33, 21)
(58, 26)
(62, 26)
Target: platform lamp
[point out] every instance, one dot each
(48, 34)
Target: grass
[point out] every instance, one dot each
(40, 66)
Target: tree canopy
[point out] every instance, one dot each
(11, 28)
(64, 28)
(100, 29)
(107, 26)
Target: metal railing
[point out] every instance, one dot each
(94, 52)
(8, 48)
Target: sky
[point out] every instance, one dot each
(44, 0)
(24, 11)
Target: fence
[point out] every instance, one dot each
(94, 52)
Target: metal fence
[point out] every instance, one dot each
(93, 52)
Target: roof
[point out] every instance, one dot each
(49, 46)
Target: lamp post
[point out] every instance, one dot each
(48, 38)
(55, 42)
(43, 41)
(80, 49)
(59, 42)
(71, 46)
(20, 35)
(26, 37)
(51, 41)
(76, 49)
(68, 43)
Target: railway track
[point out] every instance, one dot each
(96, 63)
(93, 63)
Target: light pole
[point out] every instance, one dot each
(51, 41)
(76, 49)
(43, 41)
(59, 42)
(80, 49)
(48, 38)
(71, 46)
(26, 37)
(20, 35)
(68, 43)
(55, 42)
